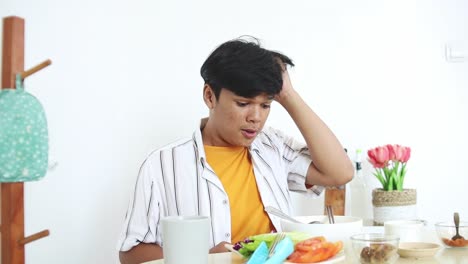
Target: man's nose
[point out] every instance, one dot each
(255, 115)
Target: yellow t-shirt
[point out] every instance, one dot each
(234, 168)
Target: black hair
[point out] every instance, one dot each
(245, 68)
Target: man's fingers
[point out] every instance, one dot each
(219, 248)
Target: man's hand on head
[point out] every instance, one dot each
(287, 90)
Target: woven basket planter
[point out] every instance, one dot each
(393, 205)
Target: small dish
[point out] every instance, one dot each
(375, 248)
(447, 230)
(417, 249)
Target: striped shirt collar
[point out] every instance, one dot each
(198, 139)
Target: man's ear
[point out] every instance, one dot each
(209, 96)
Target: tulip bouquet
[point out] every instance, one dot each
(390, 164)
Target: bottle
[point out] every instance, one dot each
(358, 191)
(335, 197)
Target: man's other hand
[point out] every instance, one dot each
(220, 248)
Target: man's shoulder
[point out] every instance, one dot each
(269, 136)
(183, 143)
(270, 133)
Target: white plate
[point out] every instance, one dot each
(337, 258)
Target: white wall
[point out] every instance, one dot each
(125, 79)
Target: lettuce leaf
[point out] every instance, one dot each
(249, 245)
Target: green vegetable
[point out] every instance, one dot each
(247, 248)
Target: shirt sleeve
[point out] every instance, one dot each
(297, 160)
(143, 214)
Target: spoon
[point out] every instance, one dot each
(279, 213)
(456, 219)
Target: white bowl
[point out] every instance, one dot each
(343, 229)
(406, 230)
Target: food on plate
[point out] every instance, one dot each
(314, 249)
(460, 242)
(306, 249)
(377, 253)
(248, 245)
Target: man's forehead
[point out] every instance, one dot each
(262, 96)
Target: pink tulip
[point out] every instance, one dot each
(406, 154)
(378, 156)
(391, 152)
(399, 152)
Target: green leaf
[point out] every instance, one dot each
(294, 236)
(253, 245)
(264, 237)
(386, 174)
(247, 249)
(396, 181)
(378, 175)
(390, 182)
(402, 175)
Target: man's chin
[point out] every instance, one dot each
(247, 142)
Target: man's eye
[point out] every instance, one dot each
(266, 106)
(241, 104)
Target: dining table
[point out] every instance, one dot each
(444, 255)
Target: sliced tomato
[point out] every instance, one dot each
(308, 256)
(295, 255)
(300, 256)
(311, 243)
(338, 247)
(329, 248)
(314, 240)
(312, 250)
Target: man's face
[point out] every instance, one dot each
(234, 120)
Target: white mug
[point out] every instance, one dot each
(186, 239)
(407, 230)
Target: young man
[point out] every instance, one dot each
(232, 167)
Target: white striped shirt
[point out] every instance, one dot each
(177, 180)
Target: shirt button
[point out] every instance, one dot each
(228, 235)
(224, 201)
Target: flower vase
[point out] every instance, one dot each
(393, 205)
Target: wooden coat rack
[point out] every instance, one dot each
(12, 203)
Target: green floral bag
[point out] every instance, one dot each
(23, 136)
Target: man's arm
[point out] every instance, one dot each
(145, 252)
(331, 165)
(141, 253)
